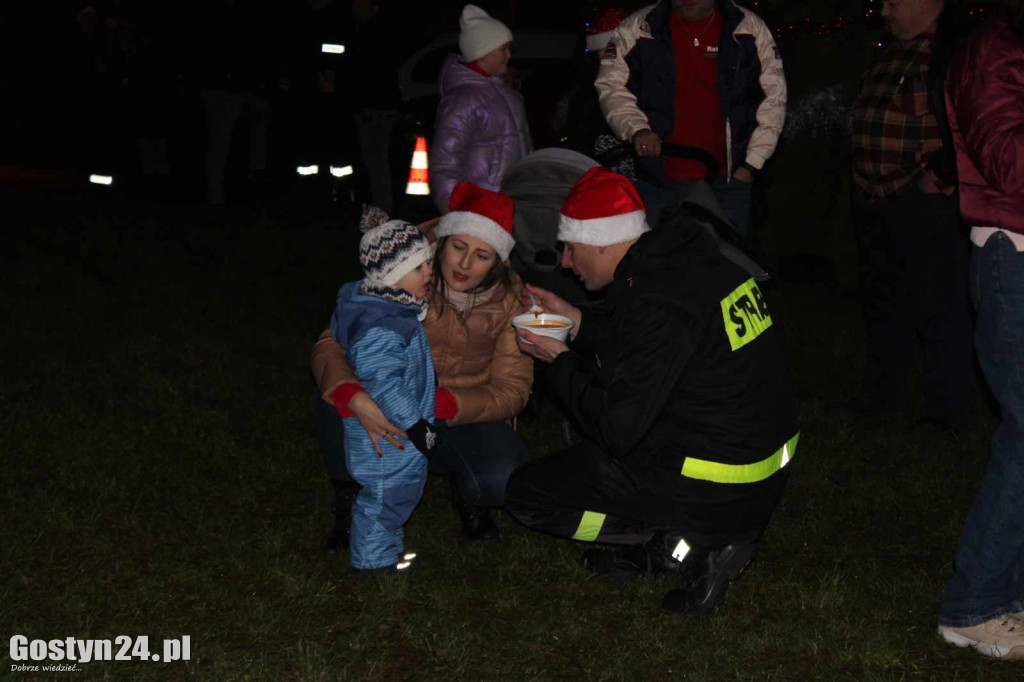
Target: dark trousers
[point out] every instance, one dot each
(913, 258)
(583, 494)
(483, 455)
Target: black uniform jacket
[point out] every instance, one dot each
(685, 362)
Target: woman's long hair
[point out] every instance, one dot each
(498, 274)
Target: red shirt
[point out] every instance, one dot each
(697, 114)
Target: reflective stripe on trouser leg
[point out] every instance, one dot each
(590, 526)
(718, 472)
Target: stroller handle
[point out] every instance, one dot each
(679, 151)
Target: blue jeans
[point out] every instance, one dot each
(988, 581)
(733, 196)
(483, 455)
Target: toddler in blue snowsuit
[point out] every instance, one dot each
(378, 321)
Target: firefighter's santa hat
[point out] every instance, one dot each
(483, 214)
(602, 208)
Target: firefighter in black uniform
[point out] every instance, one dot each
(680, 389)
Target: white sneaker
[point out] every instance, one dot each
(1001, 637)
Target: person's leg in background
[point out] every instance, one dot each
(983, 605)
(656, 200)
(480, 458)
(889, 297)
(946, 327)
(222, 111)
(374, 128)
(259, 112)
(734, 197)
(331, 429)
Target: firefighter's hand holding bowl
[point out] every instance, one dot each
(541, 331)
(536, 343)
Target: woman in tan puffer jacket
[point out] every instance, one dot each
(483, 379)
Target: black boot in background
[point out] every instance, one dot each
(344, 493)
(477, 525)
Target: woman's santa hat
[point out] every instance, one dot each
(483, 214)
(602, 208)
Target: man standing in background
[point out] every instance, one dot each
(377, 49)
(912, 253)
(700, 73)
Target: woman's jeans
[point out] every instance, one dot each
(483, 455)
(990, 557)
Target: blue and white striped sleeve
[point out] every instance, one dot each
(379, 358)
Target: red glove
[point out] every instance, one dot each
(445, 406)
(342, 395)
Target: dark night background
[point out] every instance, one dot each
(162, 471)
(57, 114)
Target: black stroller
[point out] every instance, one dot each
(540, 182)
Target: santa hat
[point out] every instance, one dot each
(483, 214)
(480, 33)
(602, 208)
(389, 251)
(601, 27)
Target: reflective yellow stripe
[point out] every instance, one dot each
(745, 314)
(717, 472)
(590, 526)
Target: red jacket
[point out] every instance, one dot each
(985, 101)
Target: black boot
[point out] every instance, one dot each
(626, 562)
(706, 576)
(477, 525)
(618, 563)
(344, 493)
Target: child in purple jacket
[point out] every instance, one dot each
(481, 124)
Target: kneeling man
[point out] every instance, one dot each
(680, 388)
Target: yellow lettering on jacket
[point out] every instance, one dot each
(745, 314)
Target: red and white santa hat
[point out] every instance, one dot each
(601, 27)
(602, 208)
(483, 214)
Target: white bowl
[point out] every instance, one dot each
(544, 324)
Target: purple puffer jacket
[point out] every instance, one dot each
(481, 130)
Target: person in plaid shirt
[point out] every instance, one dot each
(912, 252)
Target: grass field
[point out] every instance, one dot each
(163, 478)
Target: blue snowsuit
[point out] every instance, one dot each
(388, 351)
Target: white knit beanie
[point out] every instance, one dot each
(480, 33)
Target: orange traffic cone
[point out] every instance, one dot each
(418, 175)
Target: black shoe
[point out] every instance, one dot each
(477, 525)
(656, 555)
(618, 563)
(707, 576)
(344, 493)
